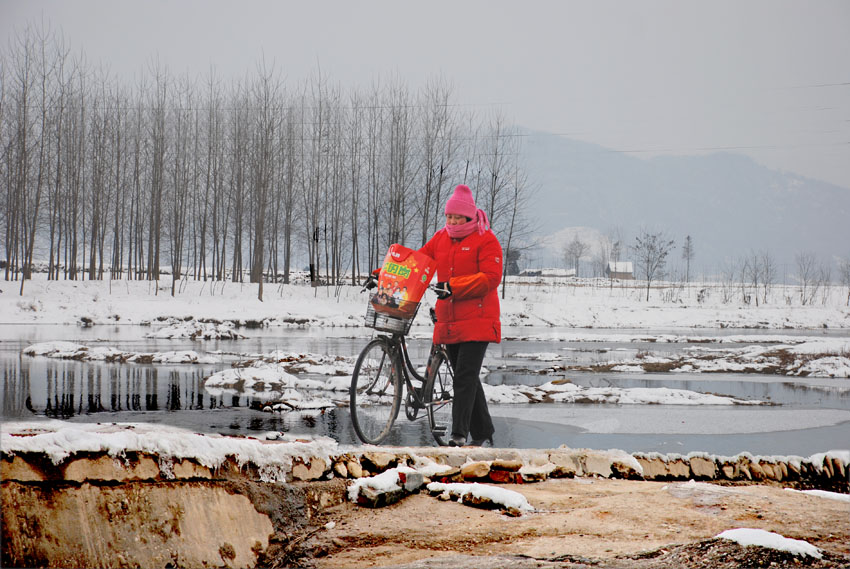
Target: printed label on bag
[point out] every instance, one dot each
(396, 269)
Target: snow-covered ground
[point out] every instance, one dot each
(562, 304)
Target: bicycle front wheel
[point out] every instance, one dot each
(375, 393)
(439, 394)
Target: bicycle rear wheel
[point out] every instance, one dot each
(375, 393)
(439, 394)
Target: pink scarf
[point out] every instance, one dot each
(481, 223)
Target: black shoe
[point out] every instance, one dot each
(482, 442)
(457, 441)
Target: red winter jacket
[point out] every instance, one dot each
(473, 268)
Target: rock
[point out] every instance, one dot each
(536, 473)
(187, 469)
(678, 469)
(314, 470)
(653, 468)
(386, 493)
(506, 477)
(468, 499)
(411, 481)
(473, 470)
(793, 471)
(561, 471)
(538, 460)
(453, 475)
(728, 471)
(354, 468)
(16, 468)
(625, 471)
(507, 465)
(838, 468)
(756, 471)
(108, 468)
(827, 467)
(566, 461)
(378, 461)
(742, 470)
(453, 459)
(703, 468)
(372, 498)
(340, 469)
(598, 465)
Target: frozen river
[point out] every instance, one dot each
(807, 415)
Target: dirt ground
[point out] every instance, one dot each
(585, 523)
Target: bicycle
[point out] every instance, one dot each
(384, 373)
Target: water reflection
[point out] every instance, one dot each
(175, 395)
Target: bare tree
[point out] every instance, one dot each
(263, 137)
(574, 251)
(516, 228)
(806, 262)
(650, 251)
(181, 176)
(752, 274)
(687, 256)
(439, 149)
(157, 107)
(844, 270)
(824, 279)
(768, 274)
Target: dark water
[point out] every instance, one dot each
(808, 415)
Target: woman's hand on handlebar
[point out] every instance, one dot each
(443, 290)
(371, 282)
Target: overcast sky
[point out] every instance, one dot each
(770, 79)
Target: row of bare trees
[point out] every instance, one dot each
(749, 278)
(211, 180)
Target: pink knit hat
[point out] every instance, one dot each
(462, 202)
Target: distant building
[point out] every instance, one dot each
(552, 272)
(622, 270)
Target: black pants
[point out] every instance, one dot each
(470, 415)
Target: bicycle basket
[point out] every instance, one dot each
(387, 318)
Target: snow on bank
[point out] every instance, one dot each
(508, 498)
(80, 352)
(261, 379)
(813, 358)
(762, 538)
(196, 331)
(823, 494)
(58, 440)
(269, 451)
(386, 481)
(567, 305)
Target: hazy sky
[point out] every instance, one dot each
(770, 79)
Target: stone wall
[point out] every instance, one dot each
(140, 509)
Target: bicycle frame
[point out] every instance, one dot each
(398, 342)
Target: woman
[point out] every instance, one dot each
(469, 268)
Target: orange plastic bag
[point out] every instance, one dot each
(402, 281)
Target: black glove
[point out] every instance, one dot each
(371, 282)
(443, 290)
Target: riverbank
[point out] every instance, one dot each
(154, 495)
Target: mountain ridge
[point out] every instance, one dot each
(729, 204)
